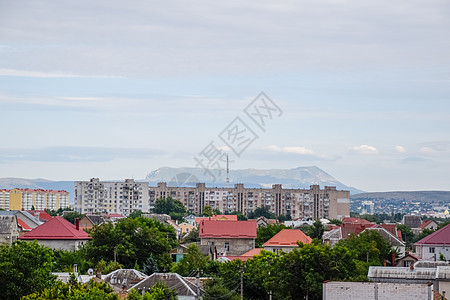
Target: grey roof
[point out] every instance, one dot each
(7, 224)
(430, 264)
(124, 277)
(401, 273)
(172, 280)
(96, 219)
(24, 216)
(412, 221)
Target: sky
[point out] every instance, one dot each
(116, 89)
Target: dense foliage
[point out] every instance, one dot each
(25, 267)
(131, 241)
(263, 234)
(169, 206)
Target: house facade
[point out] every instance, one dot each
(9, 230)
(229, 237)
(435, 246)
(58, 234)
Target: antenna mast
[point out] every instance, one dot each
(228, 171)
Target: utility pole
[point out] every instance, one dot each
(197, 283)
(242, 284)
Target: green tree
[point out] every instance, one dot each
(192, 237)
(168, 205)
(216, 289)
(72, 216)
(335, 222)
(150, 266)
(407, 234)
(207, 211)
(135, 214)
(317, 230)
(426, 232)
(263, 234)
(25, 267)
(240, 216)
(263, 211)
(131, 241)
(160, 291)
(64, 261)
(75, 291)
(216, 211)
(192, 261)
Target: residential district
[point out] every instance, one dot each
(128, 240)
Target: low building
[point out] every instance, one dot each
(123, 279)
(412, 222)
(89, 221)
(9, 230)
(406, 261)
(336, 290)
(230, 237)
(58, 234)
(286, 240)
(429, 224)
(217, 218)
(435, 246)
(186, 228)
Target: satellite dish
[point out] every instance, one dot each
(90, 272)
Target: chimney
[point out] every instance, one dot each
(77, 223)
(36, 215)
(411, 267)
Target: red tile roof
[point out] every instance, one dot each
(288, 238)
(56, 229)
(42, 214)
(425, 223)
(217, 218)
(23, 225)
(439, 237)
(227, 229)
(247, 255)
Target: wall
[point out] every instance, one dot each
(237, 246)
(335, 290)
(69, 245)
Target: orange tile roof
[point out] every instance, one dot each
(217, 218)
(288, 238)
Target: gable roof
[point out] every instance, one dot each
(22, 224)
(95, 219)
(439, 237)
(352, 220)
(56, 229)
(288, 238)
(218, 218)
(412, 221)
(126, 277)
(426, 223)
(172, 280)
(227, 229)
(42, 214)
(392, 239)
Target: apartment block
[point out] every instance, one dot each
(95, 196)
(298, 203)
(26, 199)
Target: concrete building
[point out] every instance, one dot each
(9, 230)
(286, 240)
(229, 237)
(335, 290)
(298, 203)
(95, 196)
(26, 199)
(435, 245)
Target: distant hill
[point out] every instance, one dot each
(412, 196)
(301, 177)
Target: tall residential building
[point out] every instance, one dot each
(26, 199)
(298, 203)
(95, 196)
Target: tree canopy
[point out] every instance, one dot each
(131, 241)
(25, 267)
(169, 206)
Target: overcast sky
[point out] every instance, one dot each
(116, 89)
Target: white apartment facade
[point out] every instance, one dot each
(95, 196)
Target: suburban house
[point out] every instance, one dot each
(178, 253)
(88, 221)
(9, 230)
(412, 222)
(25, 220)
(185, 289)
(123, 279)
(406, 261)
(243, 257)
(434, 245)
(186, 228)
(263, 221)
(429, 224)
(229, 237)
(58, 234)
(286, 240)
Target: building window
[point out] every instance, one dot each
(431, 249)
(227, 246)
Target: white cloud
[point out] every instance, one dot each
(400, 149)
(291, 149)
(426, 150)
(364, 149)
